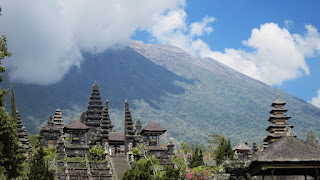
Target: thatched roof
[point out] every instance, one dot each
(76, 125)
(154, 127)
(288, 149)
(116, 136)
(242, 147)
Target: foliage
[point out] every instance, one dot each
(96, 153)
(50, 152)
(12, 155)
(171, 173)
(33, 139)
(135, 151)
(311, 138)
(216, 139)
(13, 105)
(224, 151)
(75, 159)
(39, 169)
(185, 147)
(181, 164)
(141, 169)
(202, 172)
(197, 158)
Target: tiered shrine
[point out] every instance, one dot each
(50, 133)
(278, 122)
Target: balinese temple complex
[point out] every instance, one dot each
(281, 155)
(284, 155)
(75, 140)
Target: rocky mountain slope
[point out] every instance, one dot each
(190, 97)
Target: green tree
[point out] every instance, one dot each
(39, 169)
(185, 147)
(224, 150)
(181, 163)
(12, 155)
(171, 173)
(197, 158)
(216, 139)
(311, 138)
(13, 105)
(33, 139)
(96, 153)
(141, 169)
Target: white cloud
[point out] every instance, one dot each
(316, 100)
(171, 28)
(47, 37)
(277, 54)
(288, 23)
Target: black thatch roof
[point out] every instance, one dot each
(76, 125)
(116, 136)
(154, 127)
(288, 149)
(242, 146)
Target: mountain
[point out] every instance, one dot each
(190, 97)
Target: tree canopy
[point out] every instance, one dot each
(39, 169)
(11, 152)
(197, 158)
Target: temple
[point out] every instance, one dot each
(23, 136)
(278, 127)
(93, 115)
(95, 129)
(50, 133)
(283, 155)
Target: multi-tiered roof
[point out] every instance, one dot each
(57, 119)
(94, 108)
(105, 125)
(278, 122)
(22, 133)
(128, 130)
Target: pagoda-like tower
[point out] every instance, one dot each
(128, 129)
(94, 110)
(105, 124)
(278, 127)
(57, 119)
(22, 134)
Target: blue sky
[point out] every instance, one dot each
(277, 42)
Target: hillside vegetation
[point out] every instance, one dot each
(190, 97)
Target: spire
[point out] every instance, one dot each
(105, 125)
(22, 133)
(57, 119)
(94, 108)
(278, 122)
(128, 120)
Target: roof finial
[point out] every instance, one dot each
(278, 96)
(287, 130)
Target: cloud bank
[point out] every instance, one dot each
(316, 100)
(276, 55)
(47, 37)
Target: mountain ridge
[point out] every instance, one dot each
(190, 97)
